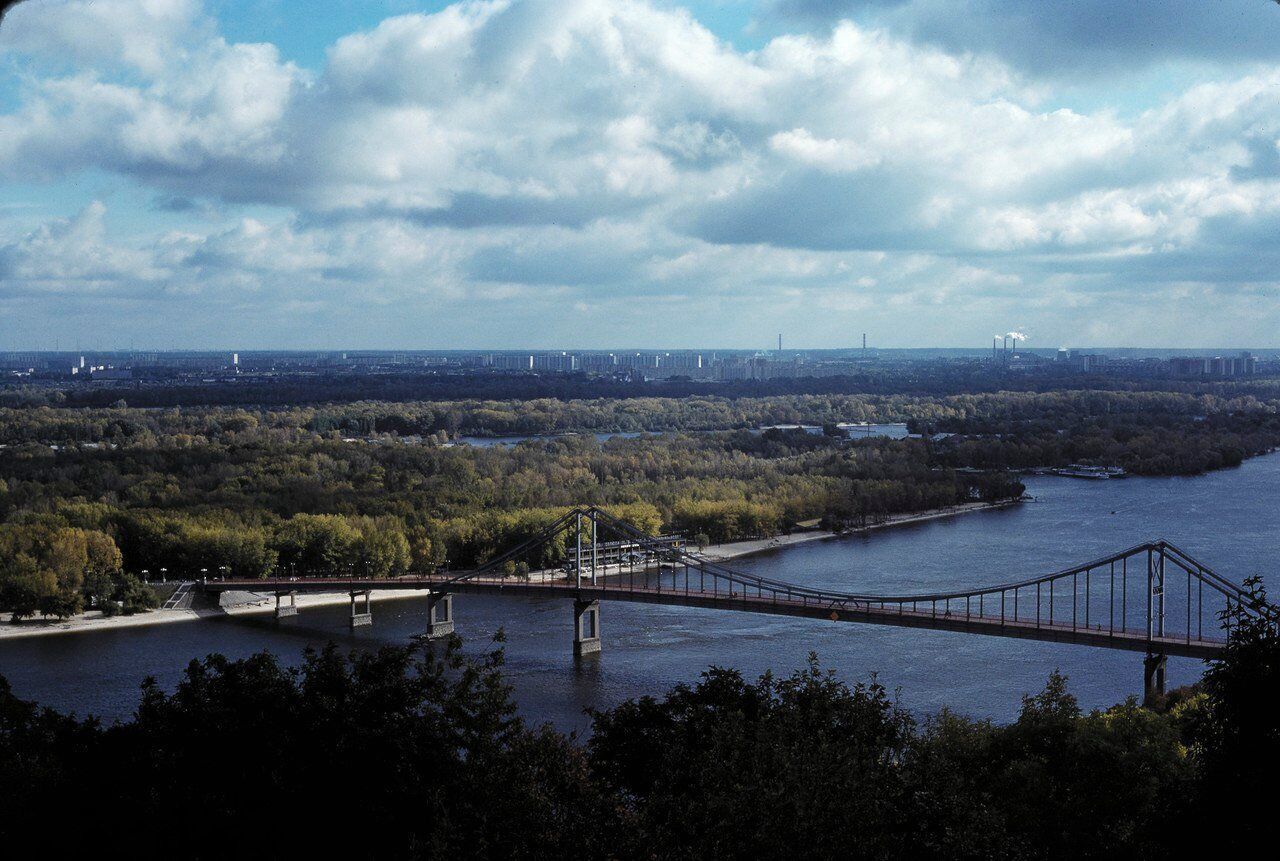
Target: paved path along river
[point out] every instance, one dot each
(1227, 519)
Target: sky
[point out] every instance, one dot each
(551, 174)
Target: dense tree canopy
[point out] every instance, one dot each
(249, 500)
(379, 488)
(414, 753)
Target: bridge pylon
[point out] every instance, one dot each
(1153, 670)
(586, 628)
(361, 619)
(285, 610)
(439, 615)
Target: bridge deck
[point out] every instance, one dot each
(842, 611)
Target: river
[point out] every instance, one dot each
(1226, 519)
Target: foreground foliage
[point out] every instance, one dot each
(408, 754)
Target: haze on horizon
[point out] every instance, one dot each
(593, 174)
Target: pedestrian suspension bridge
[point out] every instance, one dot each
(1152, 598)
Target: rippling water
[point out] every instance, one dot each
(1225, 519)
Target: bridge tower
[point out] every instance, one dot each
(577, 556)
(586, 613)
(1153, 665)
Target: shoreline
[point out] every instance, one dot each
(93, 621)
(253, 603)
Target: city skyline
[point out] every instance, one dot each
(501, 175)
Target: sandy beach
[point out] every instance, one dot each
(252, 603)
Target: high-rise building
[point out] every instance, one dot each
(512, 361)
(559, 363)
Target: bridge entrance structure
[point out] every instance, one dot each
(1152, 598)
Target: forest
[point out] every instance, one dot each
(1228, 410)
(92, 500)
(256, 504)
(415, 753)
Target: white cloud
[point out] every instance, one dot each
(827, 154)
(1081, 38)
(546, 147)
(72, 255)
(141, 35)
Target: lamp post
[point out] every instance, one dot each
(163, 571)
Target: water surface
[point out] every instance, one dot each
(1226, 519)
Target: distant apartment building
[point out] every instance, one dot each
(759, 368)
(1244, 365)
(638, 361)
(24, 362)
(1088, 363)
(555, 363)
(599, 363)
(680, 364)
(511, 361)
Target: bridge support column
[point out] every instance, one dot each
(439, 615)
(586, 628)
(1153, 666)
(360, 619)
(285, 610)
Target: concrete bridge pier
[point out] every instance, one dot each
(586, 628)
(439, 615)
(361, 619)
(1153, 666)
(285, 610)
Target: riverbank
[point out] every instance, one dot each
(255, 603)
(242, 604)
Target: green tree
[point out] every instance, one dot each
(1239, 739)
(316, 543)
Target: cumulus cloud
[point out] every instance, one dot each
(139, 34)
(546, 149)
(72, 255)
(1082, 37)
